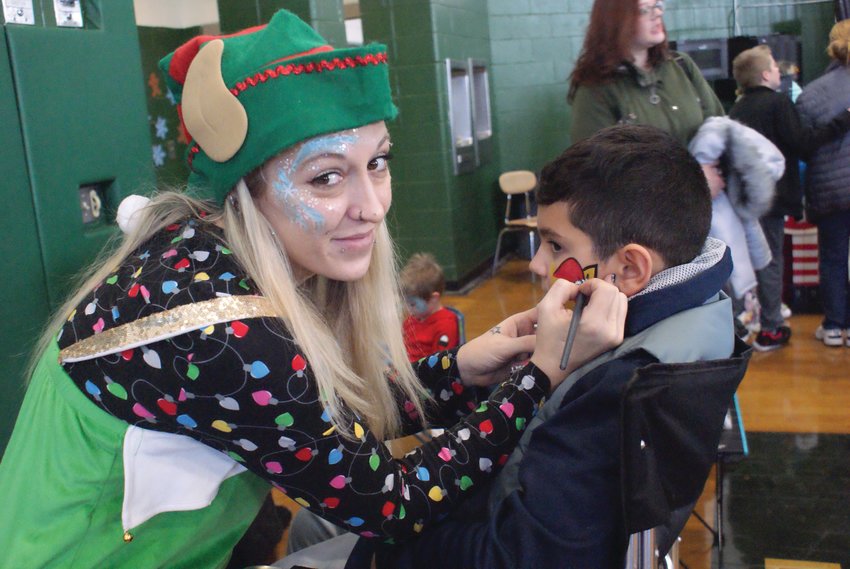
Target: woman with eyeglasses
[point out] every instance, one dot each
(627, 74)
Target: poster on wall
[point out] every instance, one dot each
(168, 141)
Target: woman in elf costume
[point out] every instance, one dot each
(250, 335)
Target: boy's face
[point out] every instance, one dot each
(772, 77)
(421, 307)
(565, 251)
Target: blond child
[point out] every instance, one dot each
(429, 327)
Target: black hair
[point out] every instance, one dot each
(632, 184)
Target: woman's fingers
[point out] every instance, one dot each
(522, 323)
(606, 309)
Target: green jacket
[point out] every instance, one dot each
(684, 100)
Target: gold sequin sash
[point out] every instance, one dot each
(167, 324)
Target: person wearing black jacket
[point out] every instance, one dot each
(773, 114)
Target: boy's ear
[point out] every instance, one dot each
(633, 265)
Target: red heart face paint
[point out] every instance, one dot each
(571, 270)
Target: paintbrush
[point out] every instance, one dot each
(581, 299)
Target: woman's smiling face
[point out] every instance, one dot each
(325, 199)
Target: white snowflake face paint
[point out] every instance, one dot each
(302, 207)
(325, 199)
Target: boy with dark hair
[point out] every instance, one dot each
(622, 189)
(631, 206)
(430, 327)
(774, 115)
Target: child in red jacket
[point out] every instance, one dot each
(429, 327)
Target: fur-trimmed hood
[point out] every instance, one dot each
(752, 164)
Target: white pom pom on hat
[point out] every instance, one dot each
(126, 216)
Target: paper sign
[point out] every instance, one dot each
(69, 13)
(18, 12)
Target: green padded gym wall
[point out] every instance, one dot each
(23, 309)
(74, 120)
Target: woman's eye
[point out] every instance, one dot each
(380, 163)
(326, 179)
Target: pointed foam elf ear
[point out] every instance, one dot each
(213, 116)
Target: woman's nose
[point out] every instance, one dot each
(371, 200)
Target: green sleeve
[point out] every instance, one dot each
(711, 105)
(590, 113)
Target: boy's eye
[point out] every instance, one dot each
(555, 247)
(326, 179)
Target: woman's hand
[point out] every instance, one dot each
(715, 180)
(488, 358)
(600, 329)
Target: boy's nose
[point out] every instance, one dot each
(539, 265)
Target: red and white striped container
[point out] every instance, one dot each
(804, 252)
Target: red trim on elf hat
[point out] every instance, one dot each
(312, 67)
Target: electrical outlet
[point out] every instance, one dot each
(91, 203)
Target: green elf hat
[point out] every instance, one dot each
(243, 98)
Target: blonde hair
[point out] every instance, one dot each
(839, 42)
(350, 332)
(748, 66)
(787, 67)
(422, 276)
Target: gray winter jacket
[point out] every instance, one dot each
(752, 165)
(827, 184)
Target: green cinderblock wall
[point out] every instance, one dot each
(327, 18)
(535, 44)
(453, 217)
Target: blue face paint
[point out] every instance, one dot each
(417, 306)
(331, 144)
(297, 211)
(295, 199)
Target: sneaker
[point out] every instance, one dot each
(829, 336)
(786, 311)
(768, 340)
